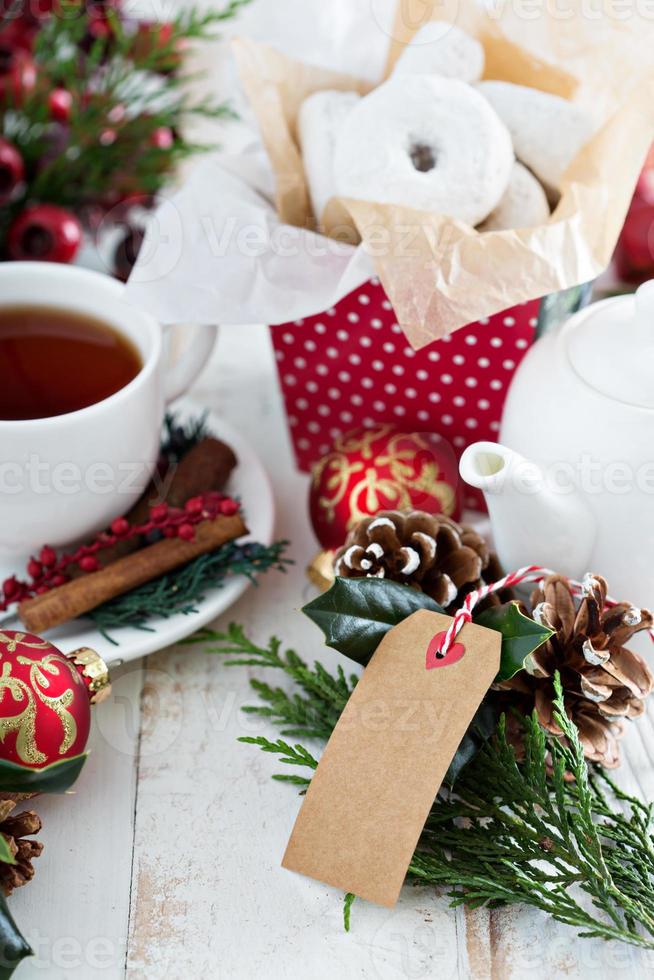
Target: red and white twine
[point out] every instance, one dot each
(530, 573)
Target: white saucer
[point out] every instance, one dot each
(249, 482)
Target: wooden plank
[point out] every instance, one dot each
(75, 911)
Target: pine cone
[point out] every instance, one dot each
(429, 552)
(603, 682)
(16, 829)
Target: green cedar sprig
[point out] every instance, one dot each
(182, 590)
(579, 849)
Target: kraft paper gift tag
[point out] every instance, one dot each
(369, 799)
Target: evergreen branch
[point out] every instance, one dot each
(181, 591)
(347, 908)
(126, 83)
(581, 849)
(292, 755)
(312, 714)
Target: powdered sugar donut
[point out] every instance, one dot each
(524, 203)
(441, 48)
(547, 131)
(320, 119)
(425, 142)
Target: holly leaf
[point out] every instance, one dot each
(55, 778)
(520, 636)
(6, 854)
(13, 945)
(356, 613)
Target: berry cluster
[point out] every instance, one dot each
(50, 570)
(84, 87)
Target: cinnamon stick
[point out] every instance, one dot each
(75, 598)
(207, 466)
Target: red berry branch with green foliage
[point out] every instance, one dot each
(92, 110)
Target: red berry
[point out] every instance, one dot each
(10, 587)
(60, 103)
(229, 507)
(12, 170)
(116, 114)
(194, 505)
(88, 563)
(169, 532)
(186, 532)
(17, 74)
(58, 580)
(98, 26)
(107, 137)
(120, 527)
(48, 556)
(162, 138)
(46, 232)
(159, 513)
(34, 569)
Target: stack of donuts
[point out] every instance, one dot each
(436, 138)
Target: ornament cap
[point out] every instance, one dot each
(94, 672)
(321, 570)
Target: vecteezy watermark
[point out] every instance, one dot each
(42, 477)
(586, 474)
(175, 238)
(412, 15)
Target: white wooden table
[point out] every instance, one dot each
(165, 862)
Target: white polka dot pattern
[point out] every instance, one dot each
(356, 369)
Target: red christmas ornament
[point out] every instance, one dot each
(18, 33)
(17, 74)
(634, 254)
(45, 699)
(60, 103)
(12, 170)
(381, 468)
(46, 232)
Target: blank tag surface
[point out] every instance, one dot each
(386, 759)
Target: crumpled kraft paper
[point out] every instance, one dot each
(439, 274)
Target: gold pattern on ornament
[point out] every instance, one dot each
(399, 490)
(24, 723)
(18, 639)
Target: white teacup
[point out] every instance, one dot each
(66, 477)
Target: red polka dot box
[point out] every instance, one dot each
(352, 366)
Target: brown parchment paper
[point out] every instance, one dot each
(441, 274)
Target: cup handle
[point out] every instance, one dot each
(181, 374)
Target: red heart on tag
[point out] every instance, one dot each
(455, 653)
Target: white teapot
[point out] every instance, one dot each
(570, 485)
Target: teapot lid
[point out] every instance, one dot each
(612, 348)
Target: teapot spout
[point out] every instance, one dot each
(535, 521)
